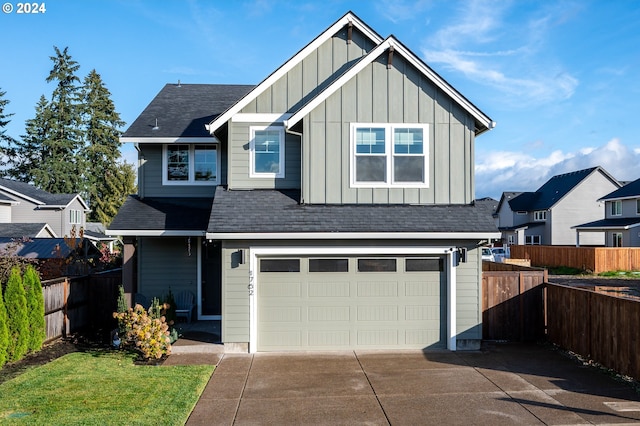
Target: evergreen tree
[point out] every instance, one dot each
(105, 178)
(35, 309)
(6, 141)
(17, 319)
(4, 331)
(60, 168)
(26, 155)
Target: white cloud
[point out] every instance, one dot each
(500, 171)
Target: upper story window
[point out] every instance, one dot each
(616, 208)
(190, 164)
(540, 215)
(75, 217)
(638, 206)
(267, 151)
(386, 155)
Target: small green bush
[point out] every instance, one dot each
(35, 309)
(4, 331)
(17, 317)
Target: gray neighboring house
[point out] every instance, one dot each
(548, 215)
(621, 223)
(22, 203)
(28, 230)
(330, 207)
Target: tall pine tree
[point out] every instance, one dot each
(60, 170)
(7, 143)
(107, 181)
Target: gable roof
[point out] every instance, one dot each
(288, 218)
(348, 18)
(46, 248)
(630, 190)
(155, 216)
(483, 122)
(31, 230)
(182, 111)
(553, 190)
(38, 196)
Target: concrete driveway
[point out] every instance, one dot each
(504, 384)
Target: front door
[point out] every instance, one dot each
(210, 303)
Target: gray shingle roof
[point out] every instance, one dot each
(621, 222)
(550, 193)
(31, 191)
(632, 189)
(183, 110)
(46, 248)
(267, 211)
(171, 214)
(19, 230)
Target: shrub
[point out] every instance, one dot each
(17, 318)
(122, 307)
(148, 335)
(35, 309)
(4, 331)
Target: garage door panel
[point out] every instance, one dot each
(347, 310)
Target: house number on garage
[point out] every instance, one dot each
(250, 286)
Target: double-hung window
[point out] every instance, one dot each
(267, 151)
(75, 217)
(540, 215)
(190, 164)
(616, 239)
(638, 206)
(387, 155)
(616, 208)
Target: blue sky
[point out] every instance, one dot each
(560, 78)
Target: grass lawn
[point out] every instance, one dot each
(102, 388)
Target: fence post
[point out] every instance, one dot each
(65, 306)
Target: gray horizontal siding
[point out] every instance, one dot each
(150, 176)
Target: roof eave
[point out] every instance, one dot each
(153, 233)
(352, 235)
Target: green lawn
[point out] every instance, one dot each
(102, 388)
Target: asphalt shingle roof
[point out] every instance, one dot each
(163, 213)
(45, 248)
(632, 189)
(183, 110)
(19, 230)
(267, 211)
(31, 191)
(621, 222)
(549, 193)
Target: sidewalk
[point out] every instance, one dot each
(504, 384)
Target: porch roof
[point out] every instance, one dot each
(604, 224)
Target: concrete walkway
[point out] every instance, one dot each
(504, 384)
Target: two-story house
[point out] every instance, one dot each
(547, 215)
(329, 207)
(621, 223)
(50, 215)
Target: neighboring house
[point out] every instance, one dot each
(95, 232)
(28, 230)
(23, 203)
(621, 222)
(547, 215)
(329, 207)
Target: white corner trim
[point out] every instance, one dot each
(290, 64)
(254, 285)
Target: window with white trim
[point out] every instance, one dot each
(511, 239)
(267, 151)
(638, 206)
(532, 240)
(616, 239)
(75, 217)
(190, 164)
(388, 155)
(540, 215)
(616, 208)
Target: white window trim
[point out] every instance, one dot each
(618, 203)
(613, 239)
(532, 238)
(389, 155)
(540, 215)
(192, 157)
(638, 206)
(252, 152)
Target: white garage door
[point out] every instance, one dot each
(337, 303)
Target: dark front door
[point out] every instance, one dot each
(211, 300)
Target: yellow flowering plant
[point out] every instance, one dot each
(145, 332)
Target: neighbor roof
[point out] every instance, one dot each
(38, 196)
(553, 190)
(161, 216)
(44, 248)
(617, 223)
(182, 110)
(280, 213)
(19, 230)
(630, 190)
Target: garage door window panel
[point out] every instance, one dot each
(377, 265)
(328, 265)
(424, 265)
(279, 265)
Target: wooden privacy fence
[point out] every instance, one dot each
(512, 302)
(600, 327)
(596, 259)
(73, 304)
